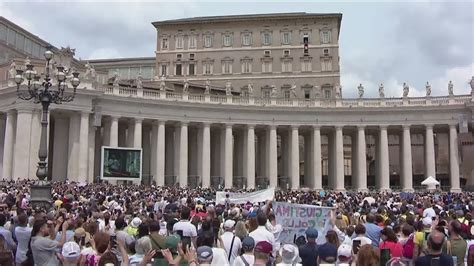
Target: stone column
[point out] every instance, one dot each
(361, 159)
(307, 147)
(228, 156)
(83, 147)
(250, 157)
(2, 138)
(60, 147)
(407, 174)
(453, 159)
(114, 131)
(131, 133)
(169, 151)
(206, 155)
(430, 162)
(160, 152)
(35, 139)
(8, 145)
(273, 157)
(183, 155)
(295, 158)
(73, 150)
(384, 161)
(22, 144)
(316, 170)
(339, 156)
(284, 153)
(137, 133)
(91, 151)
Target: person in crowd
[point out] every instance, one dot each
(435, 243)
(247, 258)
(344, 254)
(22, 235)
(457, 246)
(262, 234)
(372, 230)
(327, 253)
(360, 235)
(232, 243)
(7, 234)
(142, 247)
(262, 253)
(390, 241)
(289, 255)
(185, 226)
(241, 230)
(309, 251)
(368, 256)
(42, 243)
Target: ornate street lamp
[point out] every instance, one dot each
(45, 93)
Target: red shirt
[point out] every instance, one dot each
(396, 249)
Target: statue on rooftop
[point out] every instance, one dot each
(250, 89)
(451, 88)
(185, 86)
(162, 83)
(139, 81)
(293, 90)
(406, 90)
(228, 88)
(338, 91)
(274, 92)
(208, 86)
(12, 70)
(381, 91)
(428, 89)
(361, 90)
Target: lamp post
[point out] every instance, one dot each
(45, 94)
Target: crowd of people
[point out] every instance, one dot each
(105, 224)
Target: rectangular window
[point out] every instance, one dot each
(164, 70)
(3, 32)
(244, 93)
(20, 41)
(164, 43)
(191, 70)
(286, 38)
(266, 93)
(286, 66)
(192, 42)
(326, 64)
(286, 52)
(207, 68)
(326, 36)
(326, 51)
(267, 53)
(207, 41)
(191, 57)
(227, 40)
(11, 36)
(36, 50)
(246, 39)
(178, 57)
(227, 67)
(306, 66)
(286, 94)
(27, 46)
(179, 70)
(246, 66)
(266, 38)
(179, 42)
(327, 94)
(267, 67)
(307, 93)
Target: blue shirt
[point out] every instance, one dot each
(372, 231)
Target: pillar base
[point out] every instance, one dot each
(385, 190)
(41, 195)
(363, 190)
(456, 190)
(340, 190)
(408, 190)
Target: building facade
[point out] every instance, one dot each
(238, 139)
(281, 50)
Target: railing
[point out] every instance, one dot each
(262, 101)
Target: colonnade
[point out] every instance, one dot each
(208, 150)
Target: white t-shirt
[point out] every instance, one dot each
(219, 257)
(227, 240)
(187, 227)
(248, 257)
(363, 240)
(428, 214)
(262, 234)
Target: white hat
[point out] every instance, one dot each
(71, 250)
(229, 224)
(344, 250)
(289, 253)
(136, 222)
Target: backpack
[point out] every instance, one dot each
(409, 247)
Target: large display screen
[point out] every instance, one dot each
(121, 163)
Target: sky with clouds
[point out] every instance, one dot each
(381, 42)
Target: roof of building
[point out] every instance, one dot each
(25, 32)
(231, 18)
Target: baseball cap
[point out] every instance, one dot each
(136, 222)
(312, 233)
(172, 241)
(71, 250)
(229, 224)
(264, 247)
(248, 242)
(344, 251)
(204, 253)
